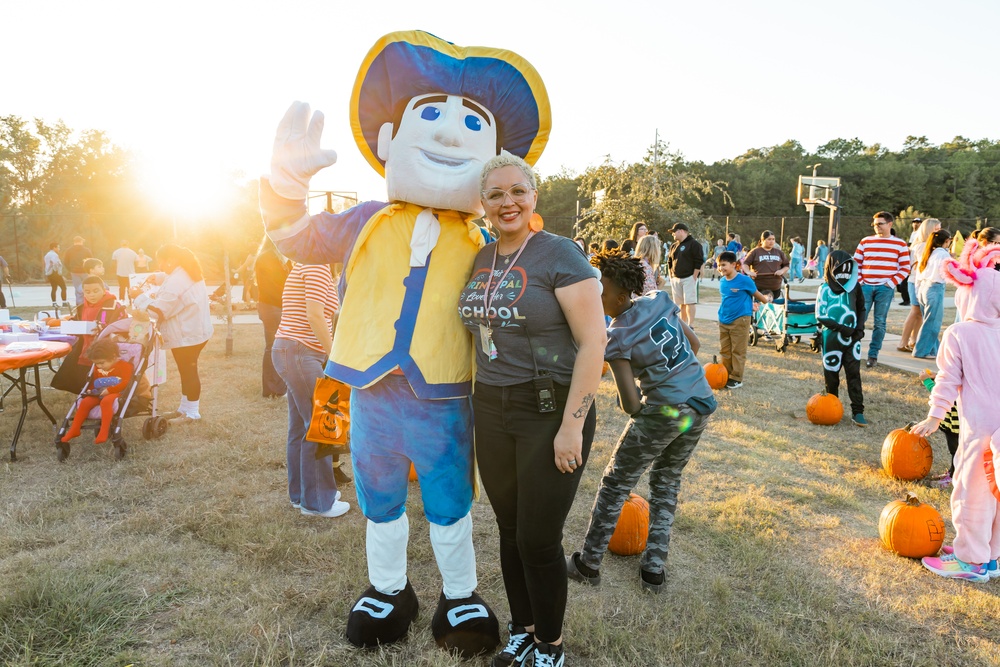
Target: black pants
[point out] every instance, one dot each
(904, 290)
(852, 371)
(56, 282)
(187, 367)
(530, 497)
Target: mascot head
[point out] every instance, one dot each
(427, 115)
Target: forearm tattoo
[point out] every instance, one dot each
(584, 406)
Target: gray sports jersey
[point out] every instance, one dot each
(650, 337)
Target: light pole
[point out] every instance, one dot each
(812, 209)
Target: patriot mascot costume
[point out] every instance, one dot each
(427, 115)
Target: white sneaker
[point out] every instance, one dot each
(339, 509)
(298, 506)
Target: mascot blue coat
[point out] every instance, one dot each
(427, 115)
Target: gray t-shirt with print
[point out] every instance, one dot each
(650, 337)
(525, 306)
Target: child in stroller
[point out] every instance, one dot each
(110, 376)
(126, 348)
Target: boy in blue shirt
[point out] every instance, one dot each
(738, 292)
(648, 342)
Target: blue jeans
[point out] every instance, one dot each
(310, 479)
(881, 297)
(78, 287)
(931, 299)
(271, 382)
(796, 269)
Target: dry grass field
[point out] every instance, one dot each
(188, 553)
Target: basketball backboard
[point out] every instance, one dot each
(814, 190)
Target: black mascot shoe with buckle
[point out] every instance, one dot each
(377, 618)
(467, 625)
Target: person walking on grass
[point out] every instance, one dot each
(53, 268)
(738, 293)
(968, 367)
(124, 258)
(767, 264)
(685, 262)
(883, 261)
(798, 259)
(648, 342)
(930, 293)
(840, 308)
(74, 259)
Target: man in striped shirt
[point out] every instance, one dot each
(884, 262)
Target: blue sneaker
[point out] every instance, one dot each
(859, 420)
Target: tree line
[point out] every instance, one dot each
(56, 183)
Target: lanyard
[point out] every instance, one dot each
(485, 331)
(487, 295)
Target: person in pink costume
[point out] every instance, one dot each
(969, 365)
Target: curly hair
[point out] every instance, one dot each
(622, 270)
(104, 349)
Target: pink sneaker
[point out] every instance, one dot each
(950, 567)
(992, 568)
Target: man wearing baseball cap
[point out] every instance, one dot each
(684, 260)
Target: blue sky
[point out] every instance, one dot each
(198, 87)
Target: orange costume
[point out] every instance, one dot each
(122, 370)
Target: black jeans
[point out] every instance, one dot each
(530, 498)
(186, 359)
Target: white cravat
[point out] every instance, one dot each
(426, 231)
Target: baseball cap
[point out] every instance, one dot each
(679, 225)
(917, 220)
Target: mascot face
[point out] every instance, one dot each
(438, 152)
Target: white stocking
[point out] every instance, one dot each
(456, 557)
(386, 546)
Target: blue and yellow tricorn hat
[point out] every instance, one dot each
(405, 64)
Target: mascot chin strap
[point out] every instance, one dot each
(456, 557)
(386, 545)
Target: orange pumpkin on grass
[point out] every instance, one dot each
(632, 530)
(716, 374)
(906, 456)
(824, 409)
(911, 528)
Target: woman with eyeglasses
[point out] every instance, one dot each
(534, 307)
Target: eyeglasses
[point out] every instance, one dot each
(519, 193)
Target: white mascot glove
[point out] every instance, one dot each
(297, 155)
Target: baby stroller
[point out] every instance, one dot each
(785, 321)
(139, 344)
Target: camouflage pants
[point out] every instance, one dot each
(661, 438)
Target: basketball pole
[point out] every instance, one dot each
(812, 196)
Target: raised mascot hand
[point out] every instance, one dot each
(297, 155)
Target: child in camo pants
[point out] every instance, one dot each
(648, 342)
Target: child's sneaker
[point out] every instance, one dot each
(577, 571)
(992, 568)
(519, 645)
(652, 582)
(942, 482)
(549, 655)
(950, 567)
(733, 384)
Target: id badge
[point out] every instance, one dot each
(485, 336)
